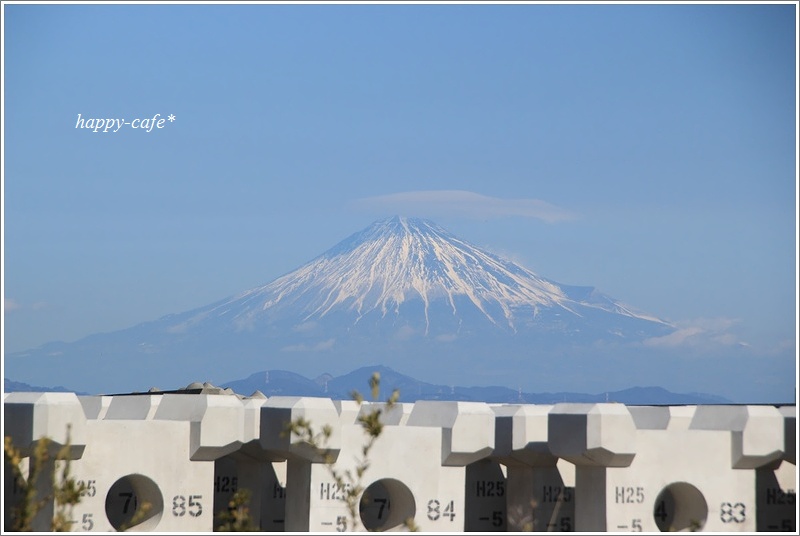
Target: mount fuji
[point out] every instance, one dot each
(403, 292)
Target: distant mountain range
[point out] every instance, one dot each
(281, 383)
(404, 293)
(285, 383)
(10, 386)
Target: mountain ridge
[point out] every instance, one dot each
(398, 260)
(401, 291)
(286, 383)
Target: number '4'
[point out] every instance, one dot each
(450, 510)
(661, 511)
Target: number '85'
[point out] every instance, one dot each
(180, 505)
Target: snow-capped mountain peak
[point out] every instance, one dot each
(402, 292)
(401, 261)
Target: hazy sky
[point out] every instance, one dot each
(646, 150)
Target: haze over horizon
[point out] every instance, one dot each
(408, 294)
(646, 150)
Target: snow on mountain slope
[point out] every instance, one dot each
(402, 260)
(400, 292)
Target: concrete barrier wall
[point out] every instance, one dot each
(172, 462)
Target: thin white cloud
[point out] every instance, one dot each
(437, 203)
(699, 332)
(677, 338)
(10, 305)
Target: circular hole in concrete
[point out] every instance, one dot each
(386, 504)
(680, 506)
(134, 502)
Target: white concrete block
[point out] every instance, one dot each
(602, 435)
(485, 497)
(266, 483)
(28, 418)
(689, 469)
(689, 475)
(452, 466)
(252, 418)
(259, 471)
(133, 407)
(130, 465)
(650, 417)
(401, 413)
(467, 428)
(521, 435)
(789, 414)
(250, 447)
(662, 417)
(541, 498)
(216, 422)
(680, 417)
(95, 407)
(776, 483)
(776, 498)
(756, 431)
(400, 483)
(538, 497)
(348, 410)
(278, 413)
(395, 415)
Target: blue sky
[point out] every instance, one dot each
(648, 150)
